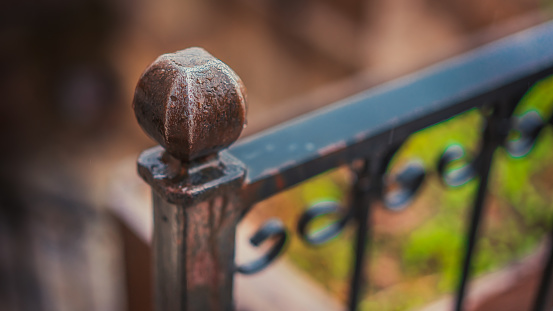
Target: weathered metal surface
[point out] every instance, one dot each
(186, 183)
(201, 193)
(309, 145)
(191, 103)
(194, 106)
(194, 253)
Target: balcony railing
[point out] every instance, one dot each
(195, 106)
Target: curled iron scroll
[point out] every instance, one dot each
(325, 234)
(271, 228)
(527, 127)
(458, 176)
(400, 188)
(404, 186)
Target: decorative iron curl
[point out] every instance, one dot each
(396, 192)
(327, 233)
(271, 228)
(528, 127)
(403, 186)
(458, 176)
(399, 189)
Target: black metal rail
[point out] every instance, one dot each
(363, 131)
(386, 115)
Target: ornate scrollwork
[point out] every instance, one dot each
(457, 176)
(396, 190)
(323, 235)
(271, 228)
(526, 129)
(403, 186)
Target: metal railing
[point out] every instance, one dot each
(194, 106)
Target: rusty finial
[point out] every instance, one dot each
(191, 103)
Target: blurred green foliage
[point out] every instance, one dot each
(423, 257)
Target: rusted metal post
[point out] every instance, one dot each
(194, 106)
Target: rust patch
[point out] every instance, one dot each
(210, 247)
(191, 103)
(280, 183)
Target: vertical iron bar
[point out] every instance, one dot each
(494, 134)
(476, 215)
(363, 195)
(360, 250)
(543, 297)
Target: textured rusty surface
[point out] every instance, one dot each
(191, 103)
(194, 106)
(204, 192)
(187, 183)
(194, 251)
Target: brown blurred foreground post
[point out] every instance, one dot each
(194, 106)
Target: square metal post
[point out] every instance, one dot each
(194, 231)
(194, 106)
